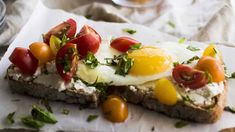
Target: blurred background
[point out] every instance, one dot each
(199, 20)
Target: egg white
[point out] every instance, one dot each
(107, 74)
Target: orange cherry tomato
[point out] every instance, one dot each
(115, 109)
(41, 51)
(213, 66)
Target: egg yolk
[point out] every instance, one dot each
(149, 61)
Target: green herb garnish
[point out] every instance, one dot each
(208, 76)
(45, 102)
(64, 40)
(175, 64)
(128, 30)
(192, 48)
(65, 111)
(171, 24)
(31, 122)
(88, 16)
(91, 118)
(135, 46)
(229, 109)
(232, 75)
(42, 115)
(181, 40)
(191, 60)
(91, 60)
(10, 118)
(181, 124)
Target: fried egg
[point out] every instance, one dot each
(150, 63)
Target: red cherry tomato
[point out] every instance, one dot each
(189, 77)
(24, 60)
(87, 40)
(123, 44)
(69, 27)
(66, 61)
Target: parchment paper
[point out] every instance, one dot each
(139, 118)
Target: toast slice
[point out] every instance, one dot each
(184, 109)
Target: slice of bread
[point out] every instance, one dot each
(183, 109)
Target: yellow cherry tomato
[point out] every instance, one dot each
(55, 44)
(115, 109)
(212, 50)
(41, 51)
(213, 66)
(165, 92)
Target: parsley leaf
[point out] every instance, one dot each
(31, 122)
(91, 60)
(42, 115)
(135, 46)
(192, 48)
(128, 30)
(171, 24)
(65, 111)
(208, 76)
(229, 109)
(88, 16)
(175, 64)
(232, 75)
(181, 40)
(191, 60)
(91, 118)
(10, 118)
(64, 40)
(181, 124)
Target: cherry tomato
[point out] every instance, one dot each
(55, 44)
(24, 60)
(41, 51)
(66, 61)
(123, 44)
(189, 77)
(115, 109)
(88, 40)
(68, 28)
(213, 66)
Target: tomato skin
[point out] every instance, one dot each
(123, 44)
(189, 77)
(66, 61)
(115, 109)
(68, 26)
(41, 51)
(24, 60)
(213, 66)
(87, 40)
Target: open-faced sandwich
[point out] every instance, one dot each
(178, 80)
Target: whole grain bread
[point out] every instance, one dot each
(183, 109)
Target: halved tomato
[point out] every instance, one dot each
(189, 77)
(68, 28)
(87, 40)
(123, 44)
(24, 60)
(66, 61)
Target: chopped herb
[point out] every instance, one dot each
(181, 124)
(193, 48)
(91, 118)
(181, 40)
(208, 76)
(232, 75)
(215, 50)
(10, 118)
(175, 64)
(191, 60)
(15, 100)
(65, 111)
(123, 63)
(186, 98)
(42, 115)
(88, 16)
(45, 102)
(135, 46)
(229, 109)
(91, 61)
(128, 30)
(64, 40)
(171, 24)
(31, 122)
